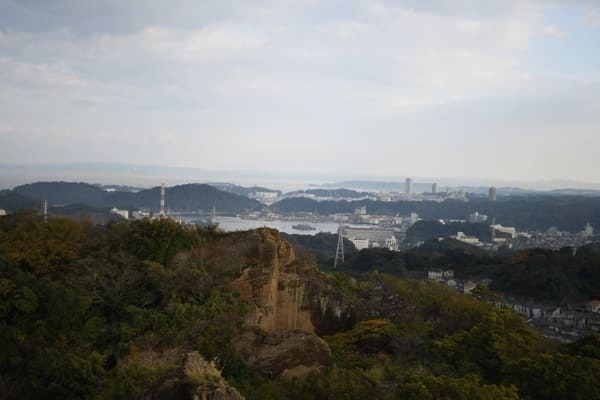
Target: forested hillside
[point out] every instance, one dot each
(155, 309)
(189, 197)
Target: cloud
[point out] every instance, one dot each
(552, 31)
(592, 17)
(38, 75)
(236, 85)
(210, 44)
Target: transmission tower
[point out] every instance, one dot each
(339, 252)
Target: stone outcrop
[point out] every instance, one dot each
(292, 306)
(193, 378)
(290, 353)
(207, 381)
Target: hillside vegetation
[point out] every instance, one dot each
(189, 197)
(148, 309)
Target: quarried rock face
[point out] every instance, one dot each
(287, 294)
(292, 305)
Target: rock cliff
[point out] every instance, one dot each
(292, 305)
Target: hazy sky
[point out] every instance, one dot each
(496, 88)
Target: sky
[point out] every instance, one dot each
(505, 89)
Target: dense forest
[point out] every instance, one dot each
(90, 311)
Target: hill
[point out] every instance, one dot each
(181, 198)
(12, 201)
(153, 309)
(65, 193)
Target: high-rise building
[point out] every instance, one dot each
(492, 194)
(408, 186)
(434, 188)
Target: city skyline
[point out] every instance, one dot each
(508, 90)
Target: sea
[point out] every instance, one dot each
(230, 223)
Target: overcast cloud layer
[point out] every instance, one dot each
(499, 88)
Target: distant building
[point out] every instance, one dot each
(122, 213)
(477, 218)
(492, 194)
(524, 235)
(460, 236)
(588, 231)
(506, 230)
(362, 210)
(2, 212)
(360, 243)
(434, 188)
(408, 186)
(458, 195)
(140, 214)
(369, 237)
(264, 197)
(391, 243)
(440, 275)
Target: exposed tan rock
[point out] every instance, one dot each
(287, 293)
(291, 302)
(292, 353)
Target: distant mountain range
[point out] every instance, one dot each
(190, 197)
(12, 175)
